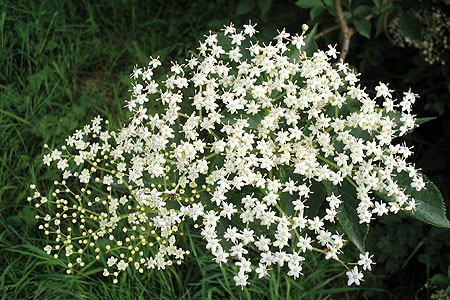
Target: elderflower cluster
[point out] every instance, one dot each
(245, 130)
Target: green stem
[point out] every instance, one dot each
(279, 96)
(324, 252)
(210, 156)
(214, 134)
(98, 167)
(329, 162)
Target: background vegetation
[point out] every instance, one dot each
(64, 62)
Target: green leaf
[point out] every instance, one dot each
(14, 221)
(377, 3)
(396, 115)
(363, 27)
(328, 3)
(349, 220)
(424, 120)
(410, 27)
(430, 206)
(440, 280)
(264, 6)
(388, 7)
(315, 12)
(315, 199)
(347, 15)
(244, 6)
(430, 203)
(347, 215)
(293, 54)
(310, 43)
(380, 25)
(309, 3)
(224, 41)
(362, 11)
(28, 216)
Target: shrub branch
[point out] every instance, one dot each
(347, 32)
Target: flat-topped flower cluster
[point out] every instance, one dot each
(246, 129)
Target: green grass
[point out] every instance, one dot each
(64, 62)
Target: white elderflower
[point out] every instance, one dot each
(48, 249)
(241, 279)
(111, 261)
(47, 159)
(122, 265)
(84, 176)
(262, 270)
(365, 260)
(383, 91)
(354, 276)
(62, 164)
(250, 29)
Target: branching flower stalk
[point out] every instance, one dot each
(247, 129)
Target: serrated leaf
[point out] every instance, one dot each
(310, 43)
(285, 203)
(363, 27)
(362, 11)
(264, 6)
(330, 188)
(349, 220)
(397, 115)
(430, 203)
(315, 199)
(347, 215)
(309, 3)
(244, 6)
(430, 206)
(410, 27)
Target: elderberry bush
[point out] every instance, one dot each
(245, 137)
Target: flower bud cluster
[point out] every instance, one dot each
(246, 129)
